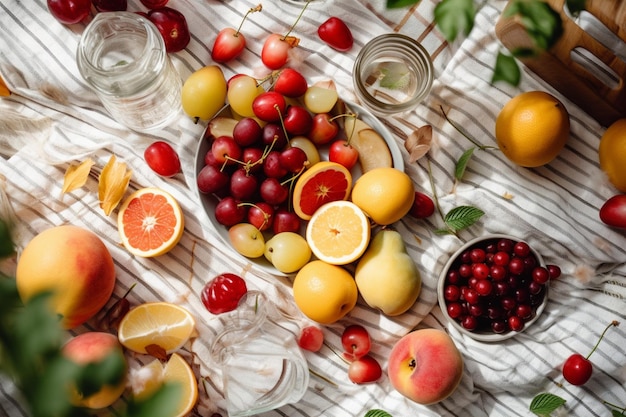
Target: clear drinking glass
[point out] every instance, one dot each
(261, 364)
(392, 74)
(122, 56)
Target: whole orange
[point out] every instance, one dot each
(612, 154)
(532, 128)
(75, 265)
(325, 293)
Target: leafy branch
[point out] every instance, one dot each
(542, 24)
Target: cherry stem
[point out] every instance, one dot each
(297, 20)
(615, 406)
(282, 124)
(258, 8)
(322, 377)
(436, 198)
(613, 323)
(462, 132)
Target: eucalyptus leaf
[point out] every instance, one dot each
(462, 216)
(461, 164)
(377, 413)
(455, 16)
(506, 69)
(545, 403)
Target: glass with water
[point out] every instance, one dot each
(123, 58)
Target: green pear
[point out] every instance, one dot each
(386, 276)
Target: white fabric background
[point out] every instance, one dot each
(54, 119)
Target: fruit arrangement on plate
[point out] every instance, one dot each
(272, 156)
(494, 287)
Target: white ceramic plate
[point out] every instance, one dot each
(209, 202)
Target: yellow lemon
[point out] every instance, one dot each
(612, 154)
(325, 293)
(532, 128)
(166, 325)
(338, 232)
(385, 194)
(175, 371)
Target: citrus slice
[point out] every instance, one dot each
(338, 233)
(150, 222)
(175, 371)
(322, 183)
(161, 324)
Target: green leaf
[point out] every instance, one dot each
(461, 164)
(545, 403)
(617, 413)
(575, 6)
(377, 413)
(396, 4)
(108, 371)
(394, 75)
(455, 16)
(462, 216)
(542, 23)
(506, 70)
(162, 403)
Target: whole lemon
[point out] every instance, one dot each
(612, 154)
(325, 293)
(532, 128)
(384, 194)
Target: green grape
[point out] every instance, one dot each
(247, 240)
(309, 148)
(242, 90)
(204, 93)
(320, 99)
(288, 251)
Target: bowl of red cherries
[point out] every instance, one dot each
(494, 287)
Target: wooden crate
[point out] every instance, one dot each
(583, 83)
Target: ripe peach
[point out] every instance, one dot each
(75, 265)
(425, 366)
(93, 347)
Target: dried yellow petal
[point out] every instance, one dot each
(76, 175)
(112, 184)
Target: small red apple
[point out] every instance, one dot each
(425, 366)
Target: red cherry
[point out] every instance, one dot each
(222, 293)
(311, 338)
(343, 153)
(229, 42)
(298, 120)
(613, 211)
(286, 221)
(162, 159)
(290, 83)
(423, 206)
(364, 370)
(356, 341)
(69, 12)
(336, 34)
(153, 4)
(276, 48)
(324, 129)
(228, 45)
(173, 27)
(269, 106)
(110, 5)
(577, 369)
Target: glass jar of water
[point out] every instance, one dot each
(392, 74)
(123, 58)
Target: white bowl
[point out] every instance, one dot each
(209, 202)
(486, 335)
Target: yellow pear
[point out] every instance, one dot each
(386, 276)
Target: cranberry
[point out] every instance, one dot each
(540, 275)
(469, 323)
(477, 255)
(480, 270)
(484, 287)
(521, 249)
(455, 310)
(452, 293)
(516, 323)
(516, 266)
(555, 271)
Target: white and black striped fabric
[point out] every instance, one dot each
(52, 119)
